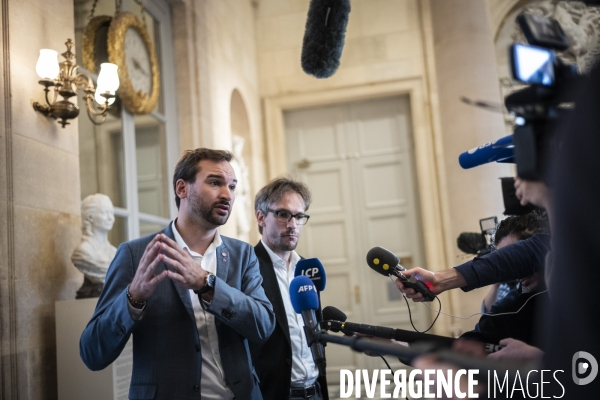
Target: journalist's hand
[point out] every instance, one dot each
(517, 350)
(422, 275)
(530, 192)
(437, 282)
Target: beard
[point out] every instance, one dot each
(282, 243)
(201, 209)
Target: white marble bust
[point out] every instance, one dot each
(94, 254)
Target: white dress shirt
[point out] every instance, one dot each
(304, 372)
(213, 386)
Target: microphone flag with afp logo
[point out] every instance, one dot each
(304, 298)
(324, 37)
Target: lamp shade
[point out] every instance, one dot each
(47, 64)
(108, 82)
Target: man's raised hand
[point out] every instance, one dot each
(184, 269)
(145, 280)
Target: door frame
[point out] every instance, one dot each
(426, 156)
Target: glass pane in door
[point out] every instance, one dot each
(146, 228)
(118, 234)
(101, 161)
(153, 182)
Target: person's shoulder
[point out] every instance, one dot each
(235, 243)
(142, 241)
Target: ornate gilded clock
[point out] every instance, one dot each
(94, 43)
(129, 47)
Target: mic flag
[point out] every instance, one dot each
(498, 150)
(324, 36)
(313, 269)
(303, 294)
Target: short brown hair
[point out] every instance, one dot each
(187, 166)
(276, 189)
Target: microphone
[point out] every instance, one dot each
(386, 263)
(313, 269)
(335, 320)
(324, 36)
(471, 242)
(305, 301)
(498, 150)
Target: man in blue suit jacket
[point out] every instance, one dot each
(191, 331)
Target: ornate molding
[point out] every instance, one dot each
(581, 24)
(9, 371)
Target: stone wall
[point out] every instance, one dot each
(39, 202)
(383, 43)
(216, 54)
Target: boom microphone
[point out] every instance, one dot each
(335, 320)
(305, 301)
(324, 36)
(313, 269)
(501, 150)
(386, 263)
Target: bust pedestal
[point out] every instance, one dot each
(75, 380)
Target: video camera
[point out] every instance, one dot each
(538, 106)
(478, 243)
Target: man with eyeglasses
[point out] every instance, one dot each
(284, 362)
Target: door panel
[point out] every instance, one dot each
(356, 159)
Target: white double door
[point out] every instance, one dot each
(357, 159)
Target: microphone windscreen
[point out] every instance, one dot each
(324, 36)
(313, 269)
(333, 314)
(303, 294)
(471, 242)
(382, 260)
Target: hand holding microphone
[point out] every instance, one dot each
(387, 263)
(427, 277)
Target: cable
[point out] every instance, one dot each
(386, 363)
(390, 368)
(456, 316)
(410, 314)
(489, 315)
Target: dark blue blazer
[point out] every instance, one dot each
(167, 357)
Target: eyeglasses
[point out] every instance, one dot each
(286, 216)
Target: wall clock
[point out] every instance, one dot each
(129, 47)
(94, 43)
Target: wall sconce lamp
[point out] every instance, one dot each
(66, 80)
